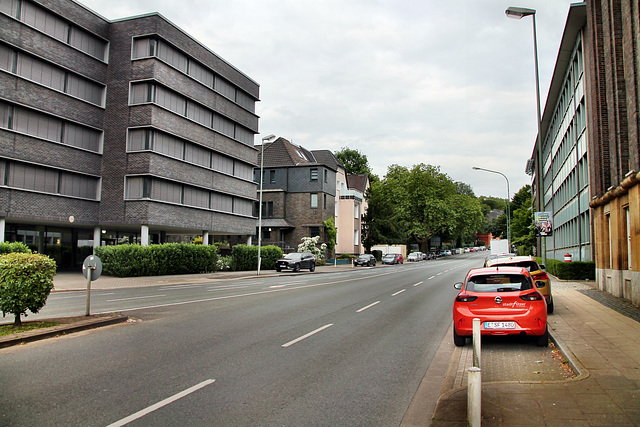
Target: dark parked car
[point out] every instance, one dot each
(366, 259)
(295, 261)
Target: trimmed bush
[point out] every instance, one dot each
(575, 270)
(26, 280)
(157, 260)
(245, 258)
(7, 248)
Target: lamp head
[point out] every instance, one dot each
(519, 12)
(268, 138)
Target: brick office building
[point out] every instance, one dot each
(118, 131)
(299, 190)
(612, 62)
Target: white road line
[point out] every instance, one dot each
(290, 343)
(227, 288)
(132, 298)
(367, 307)
(439, 273)
(172, 287)
(418, 284)
(432, 277)
(160, 404)
(399, 292)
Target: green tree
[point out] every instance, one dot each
(26, 280)
(330, 232)
(354, 161)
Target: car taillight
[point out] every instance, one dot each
(465, 298)
(532, 296)
(540, 276)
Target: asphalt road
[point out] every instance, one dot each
(345, 348)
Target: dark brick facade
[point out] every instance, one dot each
(114, 164)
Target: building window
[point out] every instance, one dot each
(314, 200)
(267, 209)
(272, 176)
(314, 231)
(314, 174)
(324, 201)
(356, 210)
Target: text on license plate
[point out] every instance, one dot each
(499, 325)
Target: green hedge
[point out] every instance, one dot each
(156, 260)
(245, 258)
(6, 248)
(574, 270)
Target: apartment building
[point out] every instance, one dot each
(124, 131)
(298, 193)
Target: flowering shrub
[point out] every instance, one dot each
(309, 245)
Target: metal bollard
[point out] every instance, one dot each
(474, 397)
(476, 343)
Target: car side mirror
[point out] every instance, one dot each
(458, 285)
(542, 267)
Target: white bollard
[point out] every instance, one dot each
(474, 397)
(476, 343)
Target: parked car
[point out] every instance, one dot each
(295, 261)
(414, 257)
(506, 301)
(537, 274)
(392, 259)
(400, 258)
(366, 259)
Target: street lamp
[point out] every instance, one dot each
(519, 13)
(475, 168)
(264, 140)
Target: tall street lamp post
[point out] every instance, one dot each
(475, 168)
(264, 140)
(519, 13)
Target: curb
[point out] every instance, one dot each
(70, 326)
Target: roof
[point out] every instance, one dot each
(326, 157)
(283, 153)
(276, 223)
(358, 182)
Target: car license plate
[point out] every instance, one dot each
(499, 325)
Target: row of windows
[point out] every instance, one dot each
(555, 155)
(55, 26)
(46, 180)
(573, 233)
(166, 98)
(35, 123)
(154, 47)
(53, 77)
(140, 187)
(149, 139)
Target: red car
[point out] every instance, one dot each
(506, 301)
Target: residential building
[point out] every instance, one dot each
(299, 191)
(352, 205)
(124, 131)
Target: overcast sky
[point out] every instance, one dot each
(445, 83)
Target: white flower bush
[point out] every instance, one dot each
(309, 244)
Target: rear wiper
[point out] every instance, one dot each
(508, 289)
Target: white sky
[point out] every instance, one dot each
(440, 82)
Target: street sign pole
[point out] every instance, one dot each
(91, 269)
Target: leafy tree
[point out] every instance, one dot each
(354, 161)
(309, 244)
(26, 280)
(381, 222)
(330, 232)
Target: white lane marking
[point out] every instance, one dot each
(398, 293)
(54, 296)
(132, 298)
(277, 286)
(367, 307)
(188, 285)
(418, 284)
(227, 288)
(160, 404)
(305, 336)
(439, 273)
(432, 277)
(173, 304)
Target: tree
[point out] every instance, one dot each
(330, 232)
(354, 161)
(309, 245)
(26, 280)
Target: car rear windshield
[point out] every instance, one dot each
(498, 283)
(529, 265)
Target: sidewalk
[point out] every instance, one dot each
(603, 347)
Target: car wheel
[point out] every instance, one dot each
(550, 306)
(458, 340)
(296, 268)
(543, 340)
(313, 267)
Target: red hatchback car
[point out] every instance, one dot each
(505, 300)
